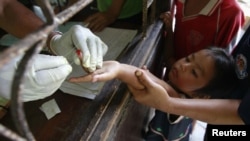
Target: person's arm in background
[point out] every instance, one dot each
(19, 24)
(212, 111)
(98, 21)
(169, 58)
(168, 19)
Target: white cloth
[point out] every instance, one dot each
(198, 132)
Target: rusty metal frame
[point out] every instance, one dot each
(30, 46)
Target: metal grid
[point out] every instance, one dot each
(32, 45)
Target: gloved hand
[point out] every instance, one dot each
(80, 38)
(43, 78)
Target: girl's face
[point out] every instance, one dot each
(193, 72)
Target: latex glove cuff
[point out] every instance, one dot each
(50, 37)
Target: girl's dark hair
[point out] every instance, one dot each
(224, 79)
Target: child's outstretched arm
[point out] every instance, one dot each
(112, 70)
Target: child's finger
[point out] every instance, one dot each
(86, 78)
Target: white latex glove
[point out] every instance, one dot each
(46, 75)
(78, 37)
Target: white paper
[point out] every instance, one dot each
(116, 40)
(50, 108)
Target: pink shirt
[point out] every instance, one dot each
(216, 24)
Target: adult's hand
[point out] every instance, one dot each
(167, 19)
(80, 38)
(45, 76)
(98, 21)
(153, 94)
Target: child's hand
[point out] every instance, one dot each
(167, 19)
(109, 71)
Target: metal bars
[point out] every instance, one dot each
(30, 46)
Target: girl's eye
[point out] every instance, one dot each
(194, 73)
(187, 59)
